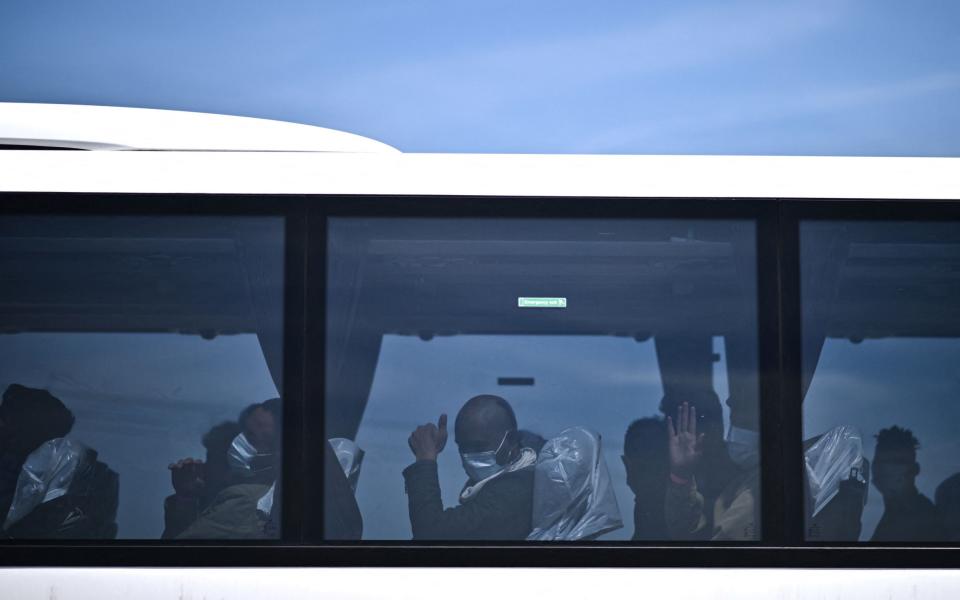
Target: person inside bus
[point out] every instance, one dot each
(646, 463)
(197, 482)
(908, 515)
(947, 498)
(715, 469)
(33, 428)
(242, 508)
(735, 511)
(839, 452)
(28, 418)
(496, 502)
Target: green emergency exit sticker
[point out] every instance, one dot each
(542, 302)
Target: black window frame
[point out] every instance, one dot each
(777, 238)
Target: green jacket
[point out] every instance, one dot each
(735, 512)
(232, 515)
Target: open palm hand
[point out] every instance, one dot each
(685, 445)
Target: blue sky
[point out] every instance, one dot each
(860, 77)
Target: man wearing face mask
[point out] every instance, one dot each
(908, 515)
(196, 482)
(244, 507)
(735, 511)
(497, 500)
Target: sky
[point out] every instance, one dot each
(837, 77)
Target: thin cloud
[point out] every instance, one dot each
(786, 104)
(486, 79)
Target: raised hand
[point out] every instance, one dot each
(686, 447)
(187, 477)
(427, 441)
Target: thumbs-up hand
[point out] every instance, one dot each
(442, 431)
(427, 441)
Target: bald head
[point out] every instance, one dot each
(482, 423)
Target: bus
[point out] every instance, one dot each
(235, 342)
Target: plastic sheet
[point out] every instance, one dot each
(835, 457)
(46, 475)
(350, 457)
(265, 503)
(573, 497)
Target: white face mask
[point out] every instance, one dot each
(481, 465)
(743, 445)
(244, 460)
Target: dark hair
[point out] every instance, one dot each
(487, 413)
(34, 416)
(245, 414)
(897, 439)
(217, 442)
(707, 404)
(220, 436)
(272, 406)
(645, 437)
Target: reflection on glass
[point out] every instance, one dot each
(512, 379)
(140, 377)
(881, 341)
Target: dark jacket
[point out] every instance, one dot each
(649, 516)
(180, 511)
(501, 510)
(341, 515)
(912, 519)
(88, 511)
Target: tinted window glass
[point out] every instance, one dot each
(881, 334)
(140, 376)
(509, 379)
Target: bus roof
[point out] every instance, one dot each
(79, 127)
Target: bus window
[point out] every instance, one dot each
(881, 345)
(140, 376)
(512, 379)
